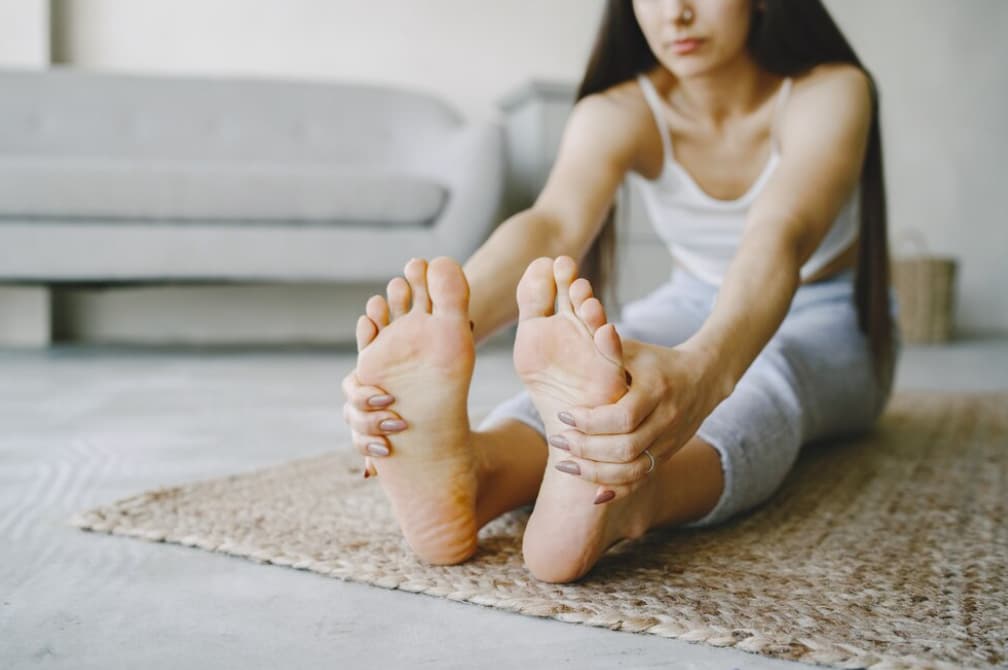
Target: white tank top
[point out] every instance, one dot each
(702, 232)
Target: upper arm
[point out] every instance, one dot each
(823, 139)
(595, 153)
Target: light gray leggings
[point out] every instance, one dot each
(812, 381)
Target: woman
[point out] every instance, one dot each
(774, 330)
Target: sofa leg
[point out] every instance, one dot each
(25, 316)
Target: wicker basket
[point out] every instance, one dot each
(925, 289)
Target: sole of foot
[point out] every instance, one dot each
(568, 355)
(419, 348)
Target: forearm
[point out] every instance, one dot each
(494, 270)
(753, 300)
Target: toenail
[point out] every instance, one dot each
(570, 467)
(560, 442)
(605, 496)
(566, 417)
(377, 449)
(392, 425)
(380, 400)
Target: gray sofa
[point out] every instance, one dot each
(127, 178)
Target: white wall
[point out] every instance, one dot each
(24, 33)
(472, 51)
(941, 69)
(940, 66)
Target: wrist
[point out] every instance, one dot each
(716, 372)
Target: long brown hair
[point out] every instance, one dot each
(787, 37)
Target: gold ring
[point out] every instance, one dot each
(652, 462)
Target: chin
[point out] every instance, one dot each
(684, 70)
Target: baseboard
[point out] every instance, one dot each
(25, 316)
(228, 314)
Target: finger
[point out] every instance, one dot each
(349, 383)
(622, 448)
(371, 445)
(364, 398)
(606, 473)
(369, 468)
(607, 493)
(375, 422)
(622, 416)
(369, 398)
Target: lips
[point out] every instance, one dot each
(685, 45)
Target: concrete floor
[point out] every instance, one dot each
(85, 426)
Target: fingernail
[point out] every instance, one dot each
(570, 467)
(380, 400)
(366, 473)
(559, 441)
(377, 449)
(392, 425)
(566, 418)
(605, 496)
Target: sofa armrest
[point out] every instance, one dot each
(471, 165)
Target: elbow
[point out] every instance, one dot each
(786, 243)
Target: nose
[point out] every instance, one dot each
(679, 12)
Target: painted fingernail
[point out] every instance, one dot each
(570, 467)
(566, 417)
(380, 400)
(605, 496)
(392, 425)
(377, 449)
(366, 473)
(559, 441)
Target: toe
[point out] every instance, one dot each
(366, 332)
(416, 275)
(449, 291)
(377, 310)
(608, 343)
(536, 290)
(564, 273)
(580, 291)
(398, 297)
(592, 313)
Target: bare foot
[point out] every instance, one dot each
(566, 356)
(424, 356)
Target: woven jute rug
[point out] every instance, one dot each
(886, 551)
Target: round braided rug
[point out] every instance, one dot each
(887, 551)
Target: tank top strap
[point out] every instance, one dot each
(654, 102)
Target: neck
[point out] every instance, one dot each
(717, 96)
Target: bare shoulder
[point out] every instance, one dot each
(831, 94)
(612, 120)
(838, 85)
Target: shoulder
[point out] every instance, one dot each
(612, 120)
(840, 86)
(828, 96)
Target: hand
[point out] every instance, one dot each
(672, 391)
(365, 411)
